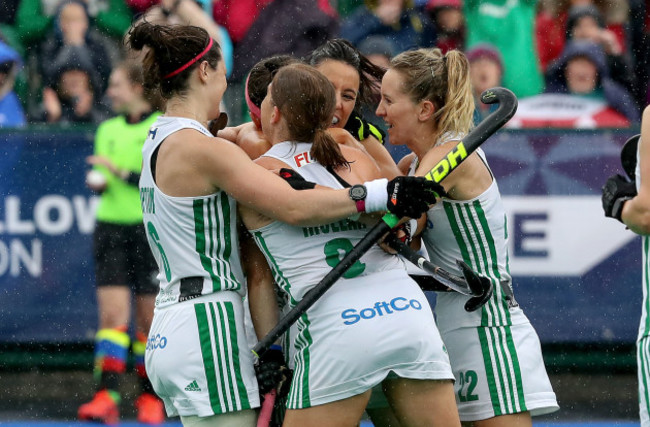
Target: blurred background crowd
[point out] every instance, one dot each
(558, 56)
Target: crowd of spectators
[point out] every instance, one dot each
(56, 55)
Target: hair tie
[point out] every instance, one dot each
(191, 61)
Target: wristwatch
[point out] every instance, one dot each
(358, 193)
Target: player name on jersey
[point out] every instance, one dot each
(343, 225)
(147, 200)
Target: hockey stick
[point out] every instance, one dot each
(628, 156)
(479, 288)
(507, 108)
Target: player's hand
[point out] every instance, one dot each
(410, 196)
(361, 129)
(273, 373)
(402, 232)
(616, 191)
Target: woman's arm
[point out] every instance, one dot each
(191, 164)
(405, 163)
(248, 137)
(636, 212)
(261, 288)
(372, 148)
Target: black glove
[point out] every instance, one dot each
(405, 227)
(411, 195)
(616, 191)
(272, 372)
(361, 129)
(295, 180)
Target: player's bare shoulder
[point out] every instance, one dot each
(405, 163)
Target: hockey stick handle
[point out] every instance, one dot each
(266, 411)
(507, 108)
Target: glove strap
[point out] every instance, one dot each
(377, 198)
(617, 208)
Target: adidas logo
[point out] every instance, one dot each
(193, 386)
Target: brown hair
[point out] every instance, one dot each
(262, 74)
(307, 101)
(170, 47)
(442, 79)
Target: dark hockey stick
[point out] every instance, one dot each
(628, 156)
(479, 288)
(507, 107)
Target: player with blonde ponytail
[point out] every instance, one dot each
(495, 353)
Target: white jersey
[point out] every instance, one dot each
(474, 231)
(194, 239)
(495, 352)
(301, 256)
(373, 323)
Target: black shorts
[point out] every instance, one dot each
(123, 257)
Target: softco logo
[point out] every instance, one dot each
(156, 341)
(352, 316)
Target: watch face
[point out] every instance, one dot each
(358, 192)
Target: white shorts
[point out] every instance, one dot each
(360, 332)
(198, 359)
(499, 370)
